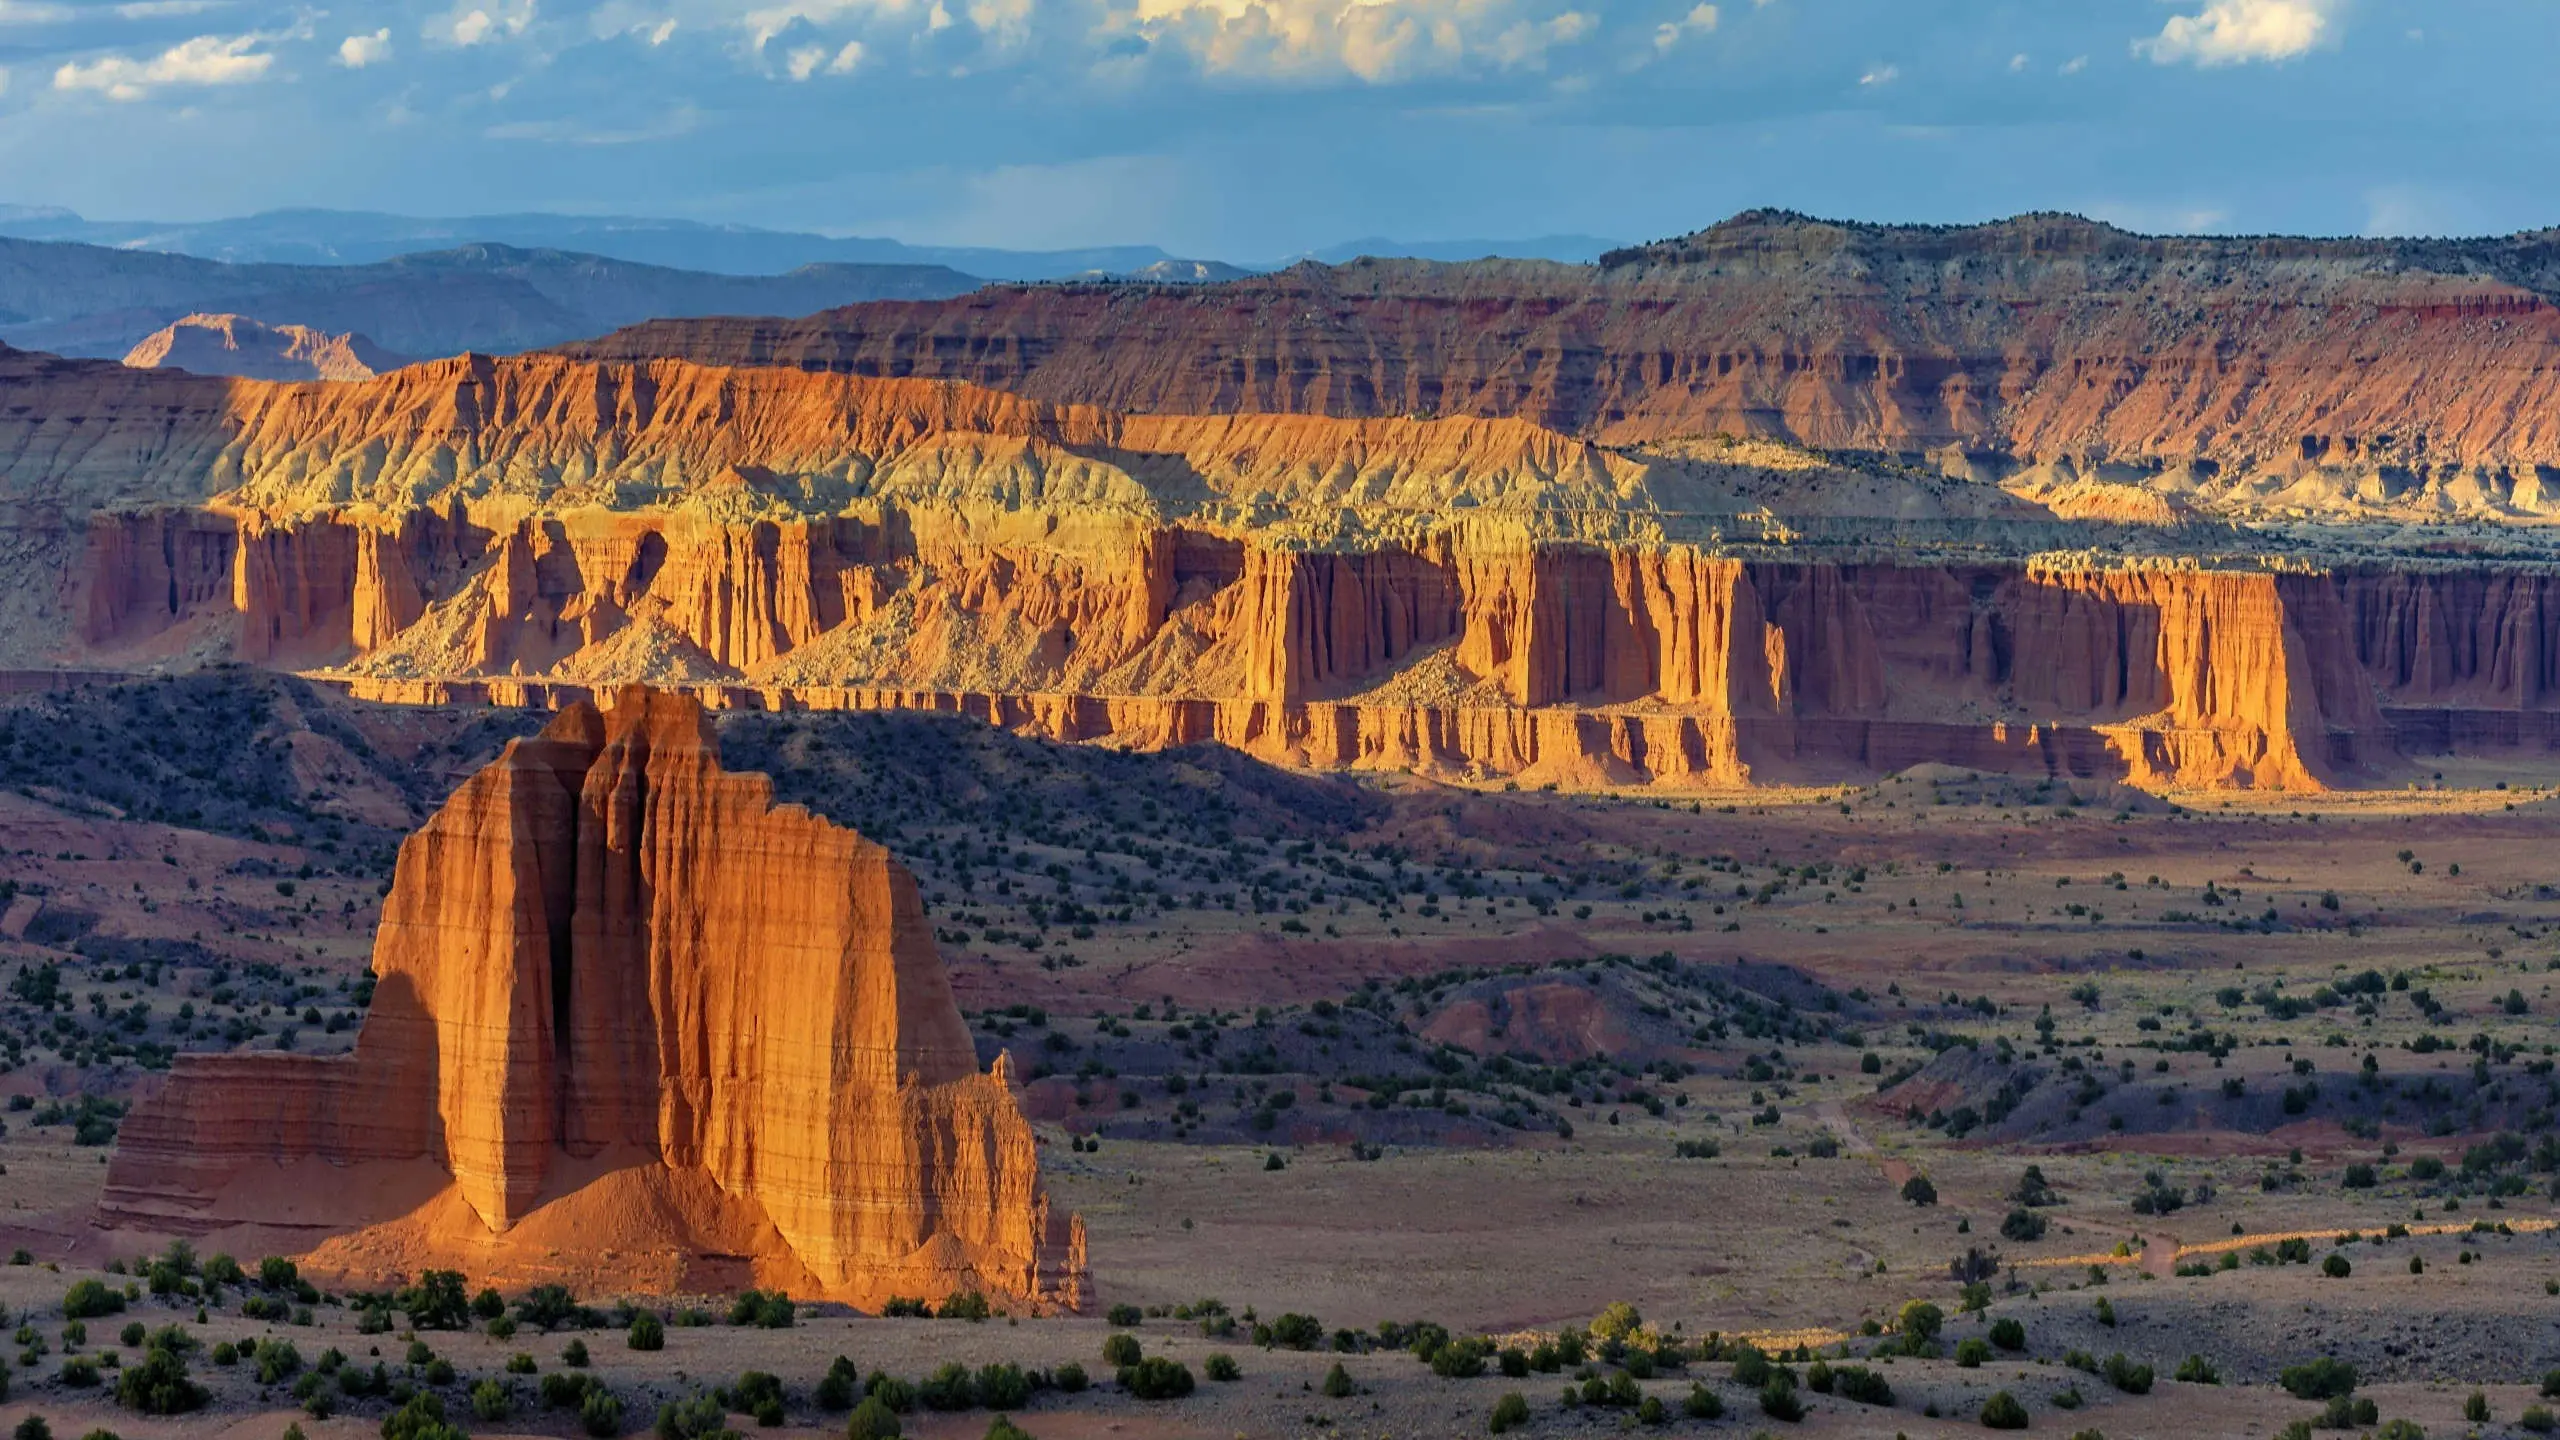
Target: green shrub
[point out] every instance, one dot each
(837, 1390)
(1119, 1350)
(893, 1392)
(1298, 1332)
(566, 1392)
(491, 1401)
(1464, 1359)
(2538, 1419)
(521, 1364)
(436, 1302)
(872, 1420)
(421, 1417)
(772, 1311)
(159, 1385)
(1125, 1317)
(964, 1305)
(131, 1336)
(2022, 1225)
(948, 1388)
(1972, 1353)
(89, 1298)
(2336, 1267)
(1157, 1378)
(647, 1332)
(2003, 1412)
(1509, 1413)
(2319, 1379)
(1003, 1387)
(754, 1392)
(2125, 1375)
(2008, 1334)
(276, 1361)
(1750, 1367)
(574, 1355)
(1069, 1379)
(1865, 1386)
(600, 1414)
(1778, 1399)
(2476, 1408)
(1221, 1367)
(1702, 1404)
(79, 1373)
(1001, 1428)
(2197, 1370)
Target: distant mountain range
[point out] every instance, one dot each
(90, 300)
(348, 237)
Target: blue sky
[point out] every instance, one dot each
(1253, 128)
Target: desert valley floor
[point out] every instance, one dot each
(2158, 1101)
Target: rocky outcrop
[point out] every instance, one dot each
(608, 963)
(2260, 375)
(238, 345)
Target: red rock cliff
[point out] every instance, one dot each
(607, 967)
(2407, 369)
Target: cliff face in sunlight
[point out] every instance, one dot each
(1478, 599)
(2259, 376)
(611, 972)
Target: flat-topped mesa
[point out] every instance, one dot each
(608, 966)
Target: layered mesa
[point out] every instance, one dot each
(1476, 598)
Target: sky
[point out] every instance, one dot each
(1248, 129)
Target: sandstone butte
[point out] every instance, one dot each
(636, 1026)
(1477, 599)
(238, 345)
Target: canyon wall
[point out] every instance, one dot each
(2266, 375)
(608, 967)
(1472, 656)
(1477, 598)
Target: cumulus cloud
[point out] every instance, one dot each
(1700, 21)
(478, 25)
(2235, 32)
(204, 60)
(1371, 40)
(357, 51)
(807, 60)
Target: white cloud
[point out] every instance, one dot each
(357, 51)
(204, 60)
(664, 32)
(1700, 21)
(1881, 75)
(2235, 32)
(32, 12)
(1377, 41)
(2075, 65)
(479, 25)
(807, 60)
